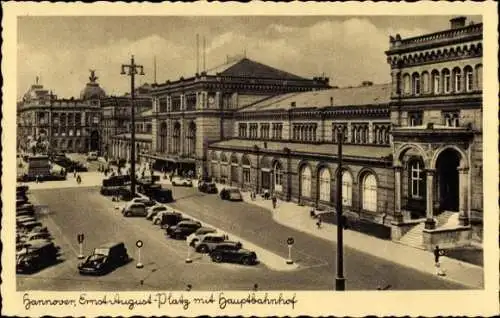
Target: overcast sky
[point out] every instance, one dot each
(348, 49)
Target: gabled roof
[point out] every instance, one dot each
(379, 94)
(248, 68)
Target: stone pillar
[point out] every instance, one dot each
(398, 216)
(429, 222)
(463, 209)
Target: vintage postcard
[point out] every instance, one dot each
(255, 159)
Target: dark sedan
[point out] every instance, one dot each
(183, 229)
(207, 187)
(232, 252)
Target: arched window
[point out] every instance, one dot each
(415, 83)
(278, 177)
(457, 80)
(162, 147)
(425, 82)
(177, 137)
(370, 193)
(234, 168)
(479, 76)
(223, 166)
(346, 188)
(305, 182)
(214, 165)
(446, 81)
(324, 185)
(469, 78)
(406, 84)
(436, 80)
(245, 163)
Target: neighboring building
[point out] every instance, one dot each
(191, 112)
(116, 115)
(120, 143)
(436, 113)
(71, 125)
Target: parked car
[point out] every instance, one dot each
(180, 181)
(154, 210)
(115, 181)
(233, 252)
(104, 259)
(21, 189)
(207, 187)
(134, 209)
(147, 202)
(126, 195)
(162, 195)
(183, 229)
(207, 242)
(166, 219)
(35, 236)
(231, 194)
(201, 231)
(36, 255)
(112, 190)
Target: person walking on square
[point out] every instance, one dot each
(274, 200)
(318, 223)
(437, 254)
(78, 179)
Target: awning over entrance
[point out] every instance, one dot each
(169, 158)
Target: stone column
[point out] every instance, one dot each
(398, 216)
(429, 222)
(463, 209)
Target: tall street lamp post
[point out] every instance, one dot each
(339, 279)
(132, 70)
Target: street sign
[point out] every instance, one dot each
(290, 241)
(80, 237)
(139, 243)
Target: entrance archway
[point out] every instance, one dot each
(94, 141)
(447, 180)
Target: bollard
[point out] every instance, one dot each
(188, 259)
(80, 255)
(289, 261)
(139, 244)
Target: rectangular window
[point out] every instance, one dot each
(415, 118)
(163, 105)
(264, 131)
(416, 180)
(191, 102)
(246, 175)
(176, 103)
(242, 130)
(451, 119)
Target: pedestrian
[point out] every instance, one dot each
(255, 287)
(37, 180)
(318, 223)
(189, 287)
(143, 173)
(274, 200)
(78, 179)
(438, 252)
(74, 172)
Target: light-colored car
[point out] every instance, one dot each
(159, 217)
(231, 194)
(134, 209)
(206, 243)
(92, 156)
(201, 231)
(154, 210)
(180, 181)
(145, 201)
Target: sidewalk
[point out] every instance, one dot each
(297, 217)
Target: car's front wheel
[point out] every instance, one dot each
(203, 249)
(128, 214)
(246, 260)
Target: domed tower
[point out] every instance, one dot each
(92, 90)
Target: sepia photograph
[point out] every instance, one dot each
(272, 155)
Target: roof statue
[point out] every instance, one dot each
(92, 76)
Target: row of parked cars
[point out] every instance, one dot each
(35, 248)
(178, 226)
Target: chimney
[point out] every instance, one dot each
(458, 22)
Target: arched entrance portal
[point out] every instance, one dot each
(447, 181)
(94, 141)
